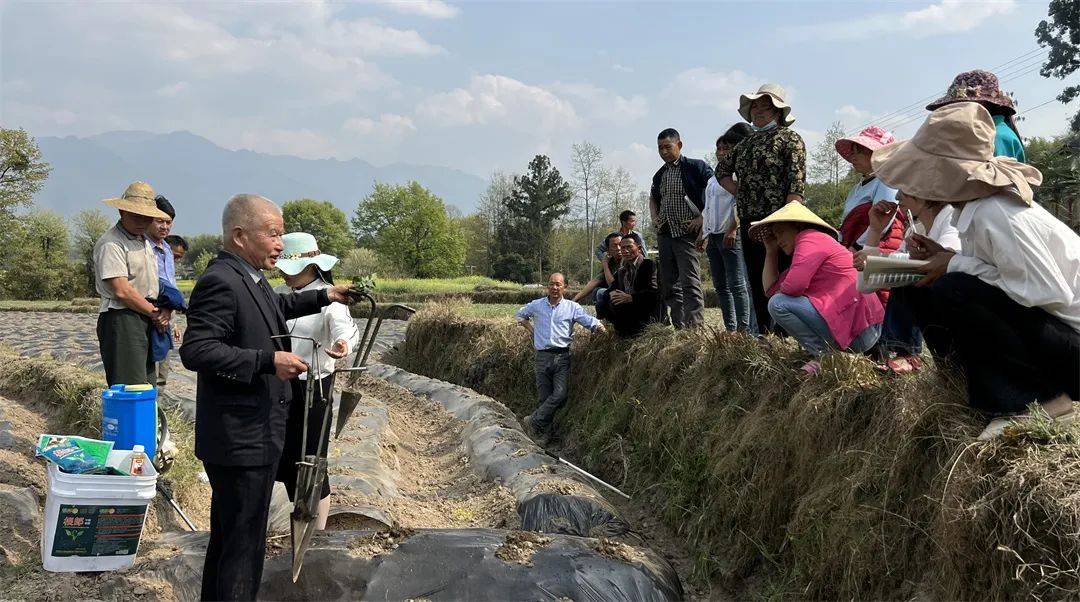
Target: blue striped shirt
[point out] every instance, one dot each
(553, 327)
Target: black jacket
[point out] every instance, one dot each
(695, 177)
(241, 406)
(631, 318)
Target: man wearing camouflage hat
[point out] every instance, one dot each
(125, 273)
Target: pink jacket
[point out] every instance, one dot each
(822, 271)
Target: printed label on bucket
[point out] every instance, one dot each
(98, 530)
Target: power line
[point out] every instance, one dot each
(1007, 71)
(1038, 106)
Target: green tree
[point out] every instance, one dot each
(22, 171)
(88, 226)
(199, 244)
(1062, 34)
(321, 219)
(40, 268)
(198, 265)
(540, 197)
(410, 226)
(1059, 161)
(478, 240)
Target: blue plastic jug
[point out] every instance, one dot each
(129, 417)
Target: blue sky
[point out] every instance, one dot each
(481, 86)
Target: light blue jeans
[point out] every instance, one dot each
(799, 318)
(729, 280)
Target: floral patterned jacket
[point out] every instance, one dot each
(768, 166)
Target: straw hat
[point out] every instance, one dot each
(774, 92)
(951, 159)
(139, 199)
(870, 138)
(792, 212)
(300, 250)
(975, 86)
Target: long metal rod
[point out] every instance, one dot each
(597, 479)
(172, 502)
(357, 361)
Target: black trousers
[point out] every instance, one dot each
(1011, 355)
(239, 509)
(754, 257)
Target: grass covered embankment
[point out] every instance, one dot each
(73, 396)
(848, 485)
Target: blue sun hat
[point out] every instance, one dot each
(300, 251)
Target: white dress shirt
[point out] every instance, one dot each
(327, 326)
(553, 325)
(1024, 251)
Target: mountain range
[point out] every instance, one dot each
(198, 176)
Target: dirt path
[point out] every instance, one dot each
(437, 487)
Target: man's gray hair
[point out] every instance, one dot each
(242, 209)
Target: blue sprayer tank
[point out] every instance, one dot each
(129, 417)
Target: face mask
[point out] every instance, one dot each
(769, 126)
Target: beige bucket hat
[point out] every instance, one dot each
(138, 198)
(775, 92)
(951, 159)
(796, 212)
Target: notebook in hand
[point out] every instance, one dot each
(889, 272)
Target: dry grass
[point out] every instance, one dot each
(75, 395)
(848, 485)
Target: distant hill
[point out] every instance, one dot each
(198, 176)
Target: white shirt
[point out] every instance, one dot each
(327, 326)
(942, 232)
(719, 214)
(1024, 251)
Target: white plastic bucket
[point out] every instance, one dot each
(95, 522)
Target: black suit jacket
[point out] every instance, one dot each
(631, 318)
(241, 406)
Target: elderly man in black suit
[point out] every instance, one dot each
(635, 298)
(243, 394)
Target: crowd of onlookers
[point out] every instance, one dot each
(996, 289)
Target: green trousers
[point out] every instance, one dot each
(124, 341)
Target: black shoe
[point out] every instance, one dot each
(541, 438)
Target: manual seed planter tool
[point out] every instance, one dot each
(312, 468)
(350, 399)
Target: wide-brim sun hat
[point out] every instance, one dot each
(138, 198)
(951, 159)
(301, 250)
(795, 212)
(975, 86)
(871, 138)
(778, 96)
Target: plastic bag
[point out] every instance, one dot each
(73, 454)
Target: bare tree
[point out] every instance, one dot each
(826, 165)
(620, 190)
(587, 168)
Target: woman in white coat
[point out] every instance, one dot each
(306, 268)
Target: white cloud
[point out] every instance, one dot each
(388, 127)
(639, 159)
(171, 90)
(622, 68)
(603, 105)
(944, 17)
(852, 116)
(499, 100)
(717, 89)
(298, 142)
(433, 9)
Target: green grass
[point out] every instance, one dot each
(713, 315)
